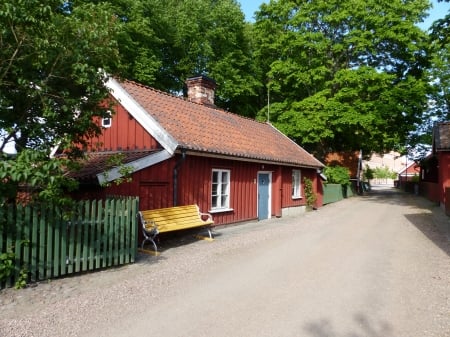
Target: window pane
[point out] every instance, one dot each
(214, 201)
(214, 189)
(224, 201)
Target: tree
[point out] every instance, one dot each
(344, 75)
(50, 86)
(163, 42)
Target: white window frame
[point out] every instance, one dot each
(222, 190)
(296, 184)
(107, 121)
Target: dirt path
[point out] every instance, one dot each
(372, 266)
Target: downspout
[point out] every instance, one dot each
(175, 177)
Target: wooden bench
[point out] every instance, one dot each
(169, 219)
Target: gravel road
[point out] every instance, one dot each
(376, 265)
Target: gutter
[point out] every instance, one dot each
(175, 177)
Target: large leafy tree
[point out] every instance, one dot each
(344, 75)
(440, 70)
(53, 55)
(163, 42)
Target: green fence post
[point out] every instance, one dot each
(92, 227)
(42, 236)
(50, 227)
(85, 244)
(99, 242)
(79, 230)
(57, 224)
(35, 245)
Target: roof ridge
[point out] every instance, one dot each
(151, 88)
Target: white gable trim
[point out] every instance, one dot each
(135, 166)
(142, 116)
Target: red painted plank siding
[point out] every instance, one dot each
(444, 174)
(194, 183)
(155, 186)
(125, 133)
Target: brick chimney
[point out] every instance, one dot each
(200, 89)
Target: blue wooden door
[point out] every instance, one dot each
(263, 196)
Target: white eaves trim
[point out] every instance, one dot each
(141, 116)
(136, 165)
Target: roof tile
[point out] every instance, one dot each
(207, 129)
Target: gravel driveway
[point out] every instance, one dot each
(376, 265)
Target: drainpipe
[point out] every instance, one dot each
(175, 177)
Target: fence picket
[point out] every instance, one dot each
(99, 237)
(79, 230)
(27, 237)
(9, 238)
(85, 236)
(127, 233)
(134, 227)
(92, 221)
(49, 242)
(42, 235)
(18, 223)
(57, 243)
(98, 234)
(35, 246)
(111, 231)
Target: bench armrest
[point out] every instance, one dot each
(207, 216)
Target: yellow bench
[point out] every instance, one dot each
(169, 219)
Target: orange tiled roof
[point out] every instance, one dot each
(210, 130)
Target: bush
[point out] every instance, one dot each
(337, 175)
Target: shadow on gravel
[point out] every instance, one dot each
(364, 328)
(388, 195)
(431, 220)
(435, 228)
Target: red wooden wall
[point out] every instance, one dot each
(155, 187)
(125, 133)
(444, 174)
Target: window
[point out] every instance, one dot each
(296, 185)
(107, 121)
(220, 192)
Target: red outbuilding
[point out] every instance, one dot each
(187, 151)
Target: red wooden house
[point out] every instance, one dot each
(187, 151)
(435, 169)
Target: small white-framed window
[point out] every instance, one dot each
(296, 184)
(107, 121)
(220, 191)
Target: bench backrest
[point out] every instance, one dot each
(172, 218)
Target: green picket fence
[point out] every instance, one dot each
(48, 242)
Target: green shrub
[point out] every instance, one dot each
(337, 175)
(311, 197)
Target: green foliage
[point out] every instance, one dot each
(50, 87)
(117, 160)
(311, 197)
(6, 265)
(22, 279)
(384, 172)
(344, 75)
(337, 175)
(163, 42)
(368, 173)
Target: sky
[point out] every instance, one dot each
(439, 10)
